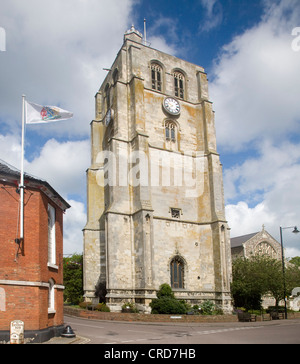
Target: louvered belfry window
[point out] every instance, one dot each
(156, 77)
(179, 84)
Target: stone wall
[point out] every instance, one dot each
(140, 317)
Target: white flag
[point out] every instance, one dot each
(36, 114)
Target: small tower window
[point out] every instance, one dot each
(170, 131)
(171, 135)
(179, 84)
(156, 77)
(175, 213)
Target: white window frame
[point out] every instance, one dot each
(51, 296)
(51, 238)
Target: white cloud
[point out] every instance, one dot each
(74, 222)
(266, 191)
(55, 54)
(156, 35)
(256, 97)
(213, 15)
(10, 149)
(245, 220)
(63, 165)
(160, 43)
(274, 168)
(256, 81)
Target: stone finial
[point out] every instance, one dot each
(133, 34)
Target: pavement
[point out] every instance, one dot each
(65, 340)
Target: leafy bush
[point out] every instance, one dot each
(166, 303)
(129, 307)
(165, 290)
(83, 304)
(102, 307)
(207, 308)
(196, 310)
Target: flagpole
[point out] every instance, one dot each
(21, 186)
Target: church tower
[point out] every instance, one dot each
(155, 198)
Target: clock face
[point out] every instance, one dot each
(172, 106)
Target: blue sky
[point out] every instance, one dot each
(55, 54)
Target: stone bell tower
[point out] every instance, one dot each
(155, 190)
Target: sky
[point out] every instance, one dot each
(54, 52)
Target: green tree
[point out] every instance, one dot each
(246, 289)
(295, 261)
(73, 279)
(255, 277)
(292, 274)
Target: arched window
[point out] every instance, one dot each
(156, 77)
(177, 272)
(170, 131)
(171, 135)
(179, 84)
(264, 248)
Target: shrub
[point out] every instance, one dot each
(196, 310)
(167, 305)
(102, 307)
(207, 308)
(83, 304)
(129, 307)
(165, 290)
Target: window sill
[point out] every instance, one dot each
(51, 311)
(53, 266)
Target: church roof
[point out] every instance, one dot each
(11, 174)
(240, 240)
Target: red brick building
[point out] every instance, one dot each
(31, 271)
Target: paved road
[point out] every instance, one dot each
(109, 332)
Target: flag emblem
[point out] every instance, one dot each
(45, 114)
(48, 113)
